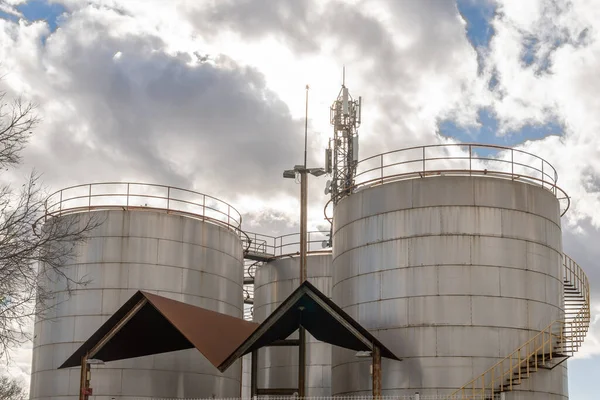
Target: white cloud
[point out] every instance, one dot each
(8, 9)
(151, 115)
(211, 97)
(560, 84)
(591, 345)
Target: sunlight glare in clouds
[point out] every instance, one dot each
(210, 95)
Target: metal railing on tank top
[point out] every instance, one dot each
(142, 197)
(455, 159)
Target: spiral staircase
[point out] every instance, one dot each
(549, 348)
(257, 251)
(260, 249)
(250, 267)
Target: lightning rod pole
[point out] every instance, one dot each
(303, 251)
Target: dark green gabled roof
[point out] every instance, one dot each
(319, 315)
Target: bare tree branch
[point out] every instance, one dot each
(11, 389)
(17, 119)
(35, 248)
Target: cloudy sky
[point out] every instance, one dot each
(209, 95)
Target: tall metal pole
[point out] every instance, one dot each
(301, 331)
(301, 362)
(303, 224)
(303, 251)
(303, 201)
(306, 126)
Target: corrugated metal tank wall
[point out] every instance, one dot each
(177, 257)
(453, 274)
(246, 369)
(278, 366)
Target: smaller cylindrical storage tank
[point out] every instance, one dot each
(278, 366)
(246, 370)
(452, 273)
(167, 241)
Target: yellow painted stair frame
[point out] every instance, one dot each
(547, 349)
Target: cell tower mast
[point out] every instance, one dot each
(341, 156)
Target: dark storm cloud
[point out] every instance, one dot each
(435, 43)
(293, 21)
(149, 113)
(304, 25)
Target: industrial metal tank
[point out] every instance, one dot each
(452, 258)
(167, 241)
(246, 369)
(274, 282)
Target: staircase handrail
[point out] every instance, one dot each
(470, 386)
(572, 270)
(570, 335)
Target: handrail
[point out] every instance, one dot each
(454, 159)
(248, 313)
(545, 165)
(562, 338)
(273, 247)
(277, 246)
(575, 275)
(142, 196)
(501, 374)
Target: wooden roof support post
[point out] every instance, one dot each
(376, 372)
(254, 375)
(302, 363)
(84, 381)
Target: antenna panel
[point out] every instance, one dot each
(345, 118)
(359, 109)
(345, 101)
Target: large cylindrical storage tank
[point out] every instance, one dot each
(278, 366)
(452, 273)
(180, 248)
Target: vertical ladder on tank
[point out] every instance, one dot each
(546, 350)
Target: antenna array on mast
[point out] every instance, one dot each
(341, 156)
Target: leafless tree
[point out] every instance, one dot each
(11, 389)
(34, 246)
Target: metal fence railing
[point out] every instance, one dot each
(415, 396)
(277, 246)
(142, 196)
(272, 247)
(457, 159)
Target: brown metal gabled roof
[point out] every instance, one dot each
(149, 324)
